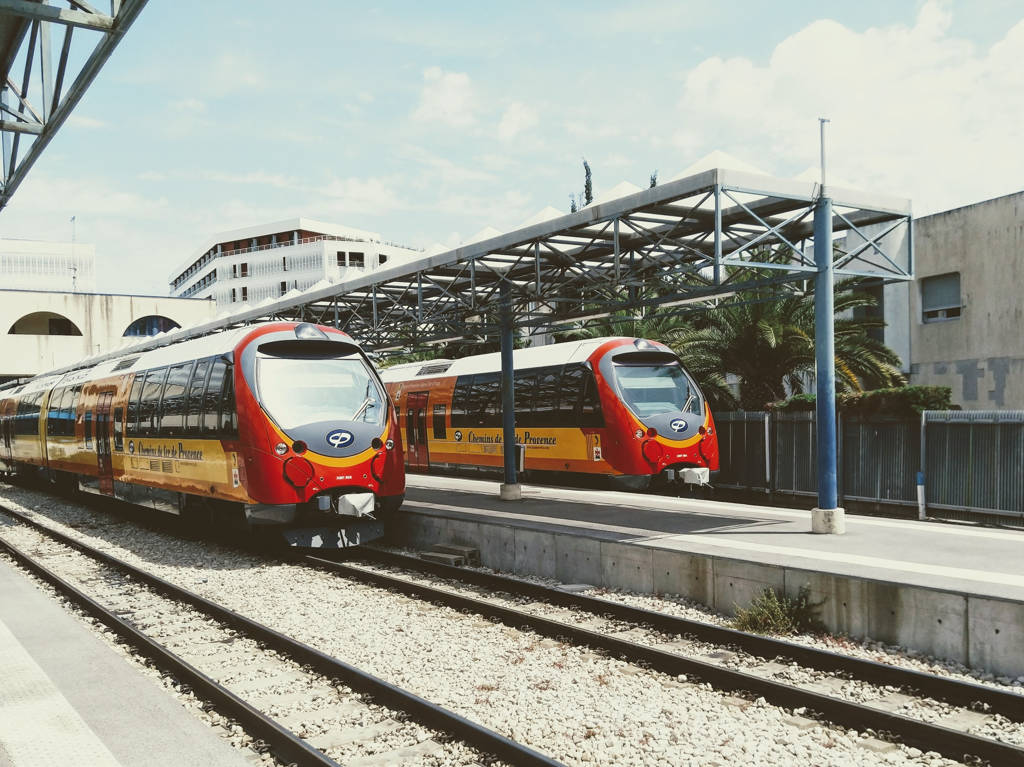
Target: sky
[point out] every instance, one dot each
(427, 122)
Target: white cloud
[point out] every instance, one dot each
(361, 195)
(516, 119)
(81, 121)
(914, 110)
(447, 97)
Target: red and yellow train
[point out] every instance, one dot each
(624, 408)
(276, 423)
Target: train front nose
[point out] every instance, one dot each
(671, 409)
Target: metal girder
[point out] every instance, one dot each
(32, 110)
(678, 246)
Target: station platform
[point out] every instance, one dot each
(950, 590)
(66, 698)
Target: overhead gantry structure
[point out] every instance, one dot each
(709, 237)
(37, 89)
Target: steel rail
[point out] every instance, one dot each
(928, 737)
(288, 746)
(956, 691)
(421, 710)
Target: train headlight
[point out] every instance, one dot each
(280, 448)
(390, 444)
(639, 433)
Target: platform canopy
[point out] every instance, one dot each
(51, 52)
(679, 246)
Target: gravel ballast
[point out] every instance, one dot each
(578, 706)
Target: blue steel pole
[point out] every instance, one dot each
(824, 345)
(508, 403)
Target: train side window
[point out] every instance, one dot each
(228, 409)
(172, 411)
(482, 407)
(440, 432)
(460, 401)
(545, 396)
(67, 412)
(75, 400)
(590, 403)
(134, 402)
(211, 398)
(193, 419)
(149, 406)
(53, 414)
(88, 430)
(118, 429)
(573, 382)
(526, 381)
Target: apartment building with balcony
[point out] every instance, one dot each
(253, 264)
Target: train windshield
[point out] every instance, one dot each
(657, 389)
(296, 392)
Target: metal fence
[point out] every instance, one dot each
(972, 461)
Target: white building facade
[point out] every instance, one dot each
(40, 265)
(45, 330)
(256, 263)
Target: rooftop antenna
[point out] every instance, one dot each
(821, 123)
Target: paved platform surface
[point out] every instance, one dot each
(938, 555)
(66, 698)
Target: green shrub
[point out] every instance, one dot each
(902, 402)
(772, 613)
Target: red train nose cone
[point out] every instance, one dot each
(298, 471)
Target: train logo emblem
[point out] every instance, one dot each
(458, 436)
(678, 424)
(339, 438)
(131, 447)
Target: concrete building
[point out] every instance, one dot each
(34, 264)
(44, 330)
(966, 313)
(269, 260)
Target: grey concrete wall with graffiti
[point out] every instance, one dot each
(980, 352)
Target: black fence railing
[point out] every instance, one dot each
(972, 462)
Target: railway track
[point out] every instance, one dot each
(760, 672)
(307, 706)
(724, 659)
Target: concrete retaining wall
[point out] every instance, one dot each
(981, 632)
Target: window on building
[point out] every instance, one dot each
(383, 259)
(940, 297)
(876, 313)
(244, 269)
(245, 293)
(284, 287)
(234, 270)
(357, 260)
(284, 263)
(233, 295)
(341, 258)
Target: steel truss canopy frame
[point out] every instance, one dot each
(684, 243)
(34, 102)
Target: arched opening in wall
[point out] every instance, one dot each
(44, 324)
(150, 325)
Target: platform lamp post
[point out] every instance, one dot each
(827, 517)
(510, 489)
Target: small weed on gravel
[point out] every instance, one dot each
(772, 613)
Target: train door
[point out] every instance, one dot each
(416, 455)
(6, 429)
(103, 459)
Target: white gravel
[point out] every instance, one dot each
(578, 706)
(314, 707)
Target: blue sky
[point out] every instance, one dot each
(428, 122)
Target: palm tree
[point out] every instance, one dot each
(768, 344)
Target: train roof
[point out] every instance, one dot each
(531, 357)
(129, 361)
